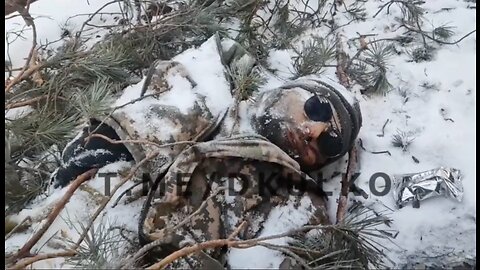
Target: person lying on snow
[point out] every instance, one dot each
(286, 132)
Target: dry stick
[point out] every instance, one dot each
(105, 202)
(125, 192)
(346, 183)
(139, 141)
(383, 129)
(19, 225)
(341, 63)
(346, 178)
(25, 250)
(233, 243)
(287, 251)
(32, 69)
(237, 230)
(28, 261)
(198, 247)
(189, 250)
(424, 35)
(24, 103)
(79, 33)
(360, 143)
(16, 5)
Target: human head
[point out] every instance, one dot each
(313, 119)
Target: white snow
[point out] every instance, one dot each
(206, 69)
(16, 113)
(51, 18)
(438, 226)
(280, 220)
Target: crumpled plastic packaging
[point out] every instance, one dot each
(415, 187)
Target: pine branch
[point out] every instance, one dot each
(351, 242)
(100, 250)
(402, 140)
(314, 55)
(369, 66)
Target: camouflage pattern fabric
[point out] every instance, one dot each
(160, 123)
(256, 176)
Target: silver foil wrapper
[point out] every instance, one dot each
(416, 187)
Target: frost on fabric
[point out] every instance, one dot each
(280, 220)
(206, 69)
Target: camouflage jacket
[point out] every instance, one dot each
(214, 186)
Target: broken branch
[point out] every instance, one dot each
(25, 250)
(346, 182)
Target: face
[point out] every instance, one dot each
(303, 124)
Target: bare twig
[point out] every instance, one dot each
(139, 141)
(27, 69)
(105, 202)
(287, 251)
(360, 143)
(341, 63)
(230, 243)
(425, 35)
(383, 129)
(19, 225)
(237, 230)
(346, 181)
(24, 103)
(124, 193)
(25, 250)
(79, 33)
(40, 257)
(189, 250)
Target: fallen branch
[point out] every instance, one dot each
(124, 193)
(198, 247)
(341, 63)
(229, 242)
(19, 225)
(346, 182)
(40, 257)
(23, 73)
(425, 35)
(24, 103)
(383, 128)
(16, 5)
(137, 141)
(25, 250)
(360, 142)
(287, 251)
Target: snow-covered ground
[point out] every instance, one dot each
(439, 226)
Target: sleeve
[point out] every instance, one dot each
(81, 155)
